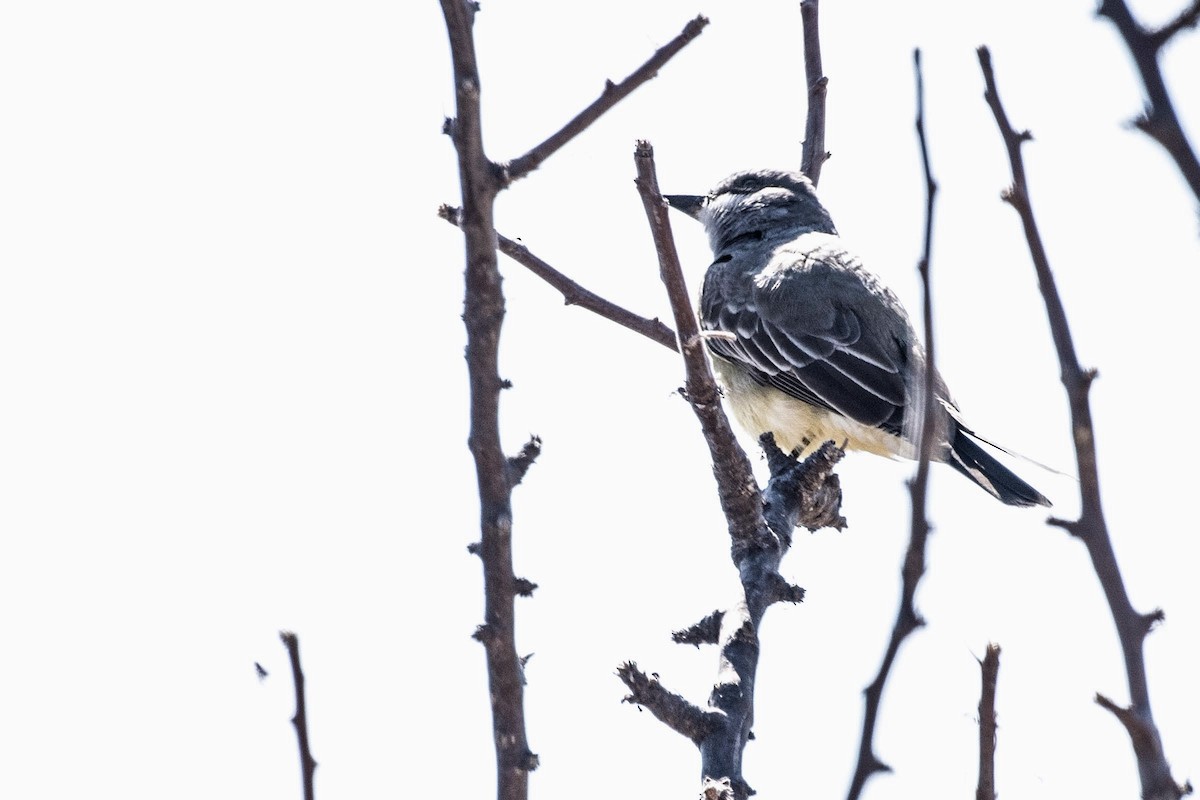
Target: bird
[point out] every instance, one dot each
(809, 345)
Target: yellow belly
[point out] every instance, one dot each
(796, 424)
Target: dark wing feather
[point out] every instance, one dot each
(816, 330)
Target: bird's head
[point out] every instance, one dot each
(754, 205)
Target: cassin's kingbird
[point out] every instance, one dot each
(812, 347)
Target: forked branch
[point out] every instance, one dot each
(613, 93)
(758, 543)
(1090, 528)
(1159, 120)
(484, 308)
(574, 294)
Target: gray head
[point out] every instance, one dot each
(754, 205)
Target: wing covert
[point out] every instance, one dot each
(812, 329)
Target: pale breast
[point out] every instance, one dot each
(796, 424)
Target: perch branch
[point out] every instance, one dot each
(813, 154)
(907, 617)
(757, 547)
(1090, 528)
(737, 488)
(613, 93)
(802, 494)
(574, 294)
(308, 764)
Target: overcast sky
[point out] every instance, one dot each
(233, 398)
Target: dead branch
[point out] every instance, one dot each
(758, 546)
(671, 709)
(1090, 528)
(308, 764)
(989, 670)
(574, 294)
(483, 316)
(1159, 120)
(735, 479)
(907, 617)
(481, 180)
(813, 154)
(613, 93)
(706, 631)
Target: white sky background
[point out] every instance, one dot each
(234, 399)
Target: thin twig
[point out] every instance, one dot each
(308, 764)
(574, 294)
(1187, 18)
(907, 617)
(813, 154)
(613, 93)
(923, 267)
(989, 670)
(1091, 528)
(1159, 120)
(483, 316)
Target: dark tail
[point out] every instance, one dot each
(971, 460)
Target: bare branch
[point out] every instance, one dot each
(1186, 19)
(735, 479)
(989, 669)
(706, 631)
(466, 129)
(484, 315)
(613, 93)
(519, 464)
(1145, 739)
(1159, 120)
(757, 548)
(672, 709)
(813, 154)
(1091, 528)
(907, 617)
(574, 294)
(923, 267)
(308, 764)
